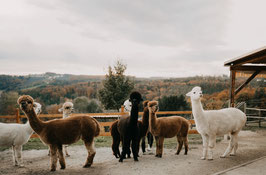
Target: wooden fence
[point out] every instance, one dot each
(105, 119)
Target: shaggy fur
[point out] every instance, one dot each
(16, 135)
(57, 132)
(129, 130)
(167, 127)
(216, 122)
(143, 125)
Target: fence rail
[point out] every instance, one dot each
(105, 125)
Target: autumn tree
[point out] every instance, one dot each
(116, 87)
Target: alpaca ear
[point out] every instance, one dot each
(188, 94)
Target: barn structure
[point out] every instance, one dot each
(249, 65)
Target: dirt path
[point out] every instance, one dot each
(251, 146)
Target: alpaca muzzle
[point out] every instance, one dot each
(23, 105)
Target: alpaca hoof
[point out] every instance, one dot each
(158, 155)
(136, 159)
(53, 169)
(185, 153)
(203, 158)
(67, 155)
(222, 156)
(232, 154)
(87, 166)
(120, 160)
(21, 166)
(210, 159)
(177, 153)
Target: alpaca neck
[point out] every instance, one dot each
(134, 113)
(153, 120)
(198, 112)
(145, 119)
(35, 123)
(28, 128)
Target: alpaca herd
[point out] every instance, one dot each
(128, 130)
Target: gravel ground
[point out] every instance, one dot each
(251, 146)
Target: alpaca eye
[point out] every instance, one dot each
(194, 92)
(67, 107)
(29, 102)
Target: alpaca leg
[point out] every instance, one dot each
(157, 146)
(205, 141)
(235, 147)
(230, 146)
(19, 155)
(125, 148)
(91, 153)
(115, 146)
(235, 144)
(211, 145)
(61, 157)
(180, 144)
(15, 156)
(160, 152)
(53, 157)
(135, 148)
(150, 141)
(143, 144)
(65, 148)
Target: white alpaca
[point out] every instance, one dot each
(67, 110)
(16, 135)
(216, 122)
(127, 106)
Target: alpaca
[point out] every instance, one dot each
(16, 135)
(167, 127)
(143, 125)
(216, 122)
(67, 110)
(127, 105)
(129, 130)
(57, 132)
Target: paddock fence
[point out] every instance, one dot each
(105, 119)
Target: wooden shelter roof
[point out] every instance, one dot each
(250, 62)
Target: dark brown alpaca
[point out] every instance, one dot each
(129, 130)
(57, 132)
(167, 127)
(143, 125)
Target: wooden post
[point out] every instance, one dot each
(232, 87)
(17, 116)
(122, 109)
(259, 118)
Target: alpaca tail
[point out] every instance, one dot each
(97, 133)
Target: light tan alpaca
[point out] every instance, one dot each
(57, 132)
(167, 127)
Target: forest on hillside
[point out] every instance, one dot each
(52, 90)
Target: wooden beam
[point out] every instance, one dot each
(247, 81)
(248, 68)
(232, 87)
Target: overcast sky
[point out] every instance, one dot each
(153, 38)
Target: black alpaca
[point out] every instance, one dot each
(129, 130)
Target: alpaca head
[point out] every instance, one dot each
(26, 103)
(37, 108)
(128, 105)
(135, 98)
(145, 103)
(153, 106)
(67, 108)
(195, 93)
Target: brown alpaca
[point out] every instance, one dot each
(143, 125)
(57, 132)
(167, 127)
